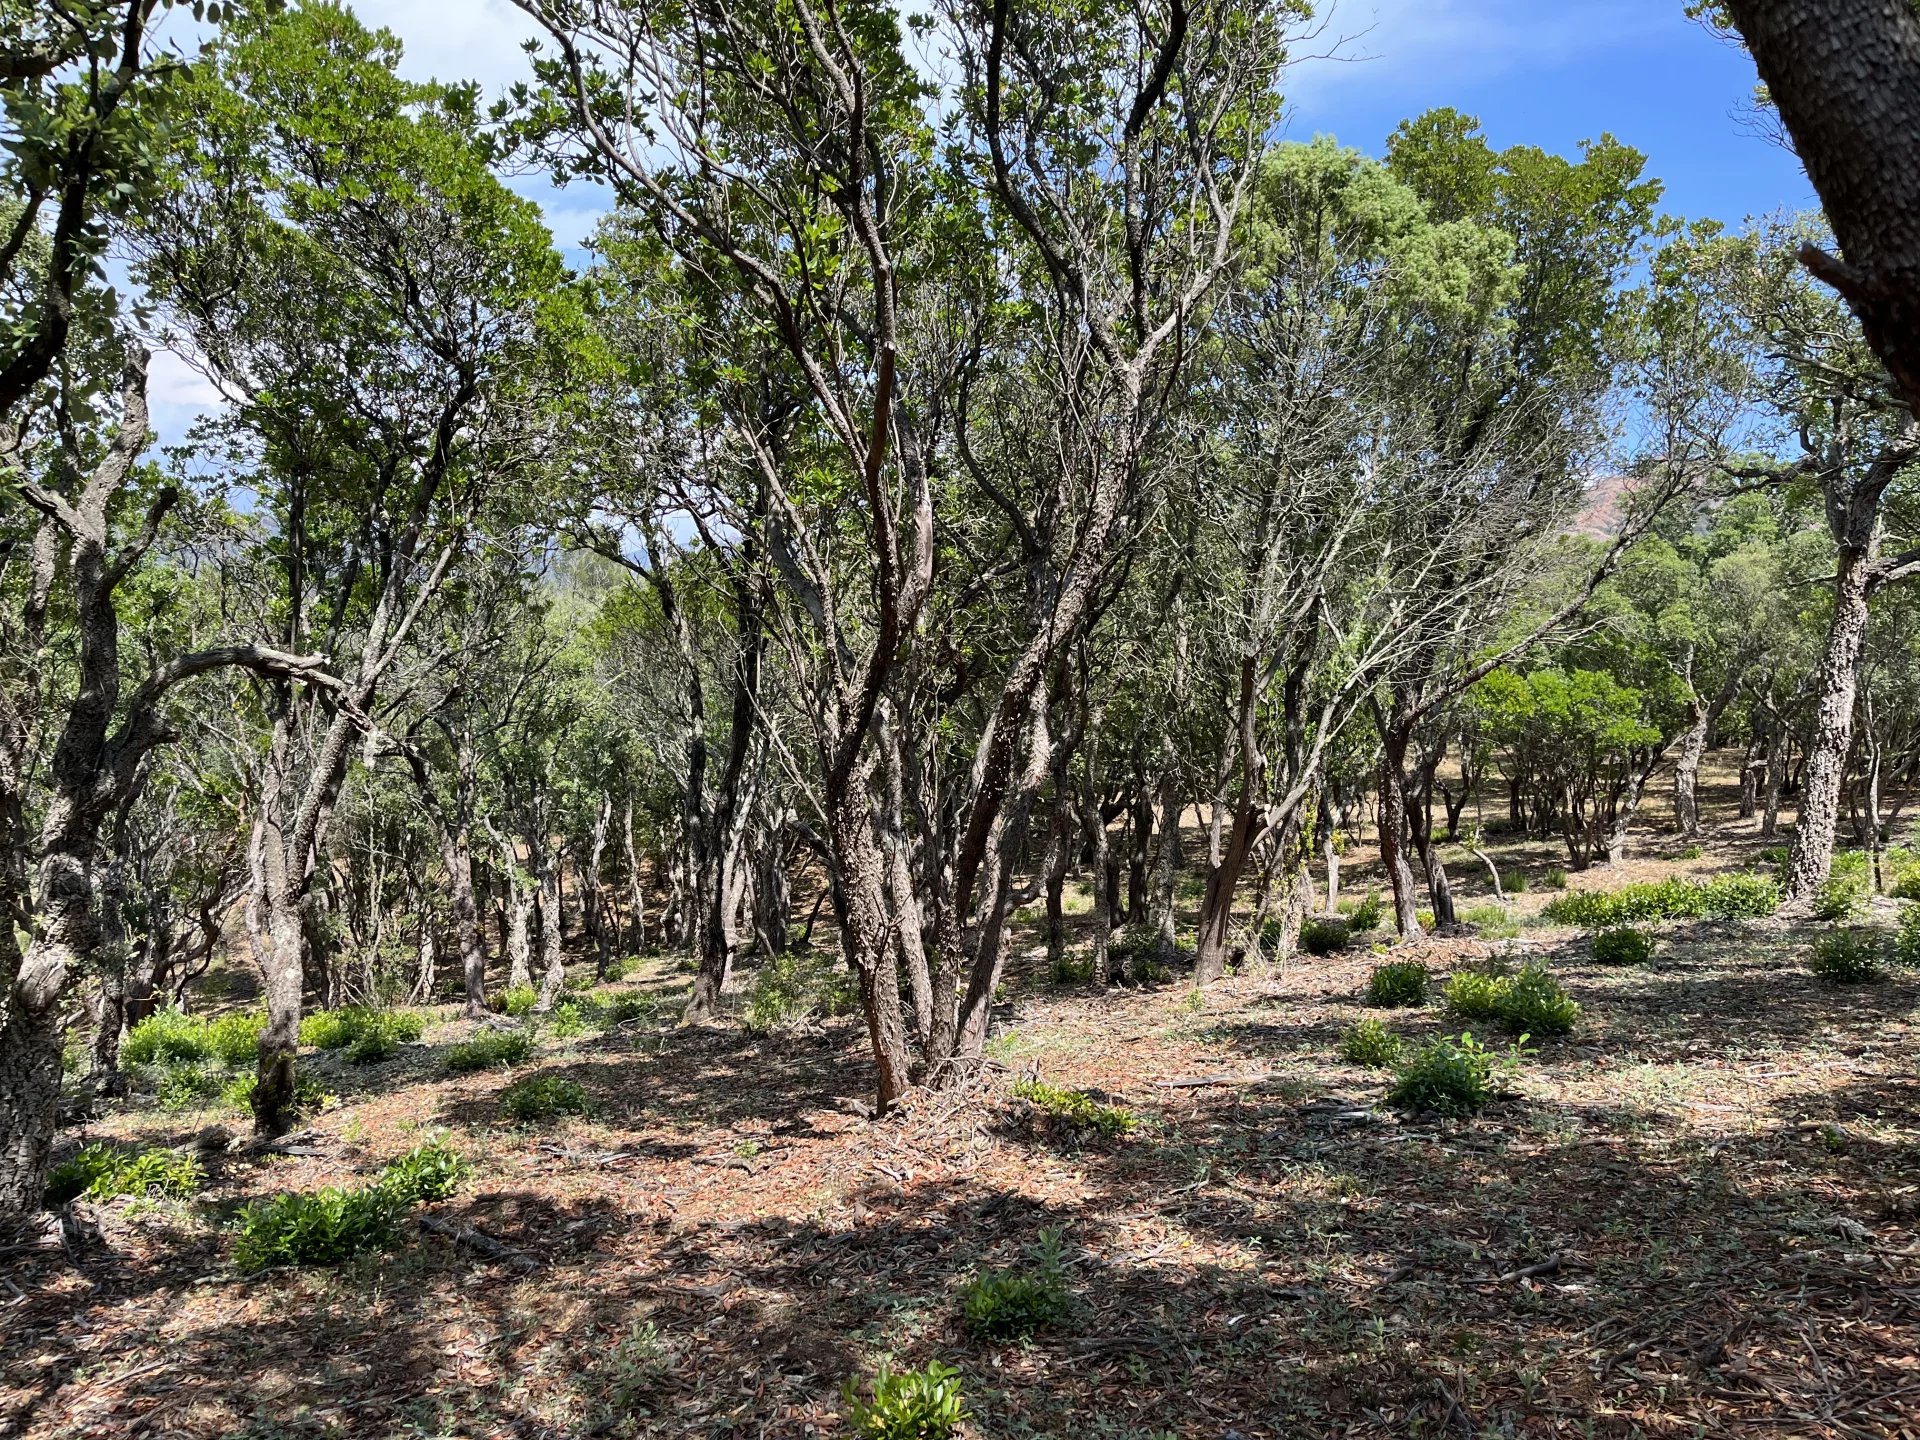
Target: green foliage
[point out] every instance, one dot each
(1514, 882)
(629, 1007)
(1012, 1304)
(490, 1050)
(234, 1039)
(1906, 941)
(1901, 869)
(1555, 878)
(317, 1227)
(185, 1085)
(1075, 1111)
(432, 1171)
(324, 1227)
(1492, 921)
(909, 1404)
(1693, 852)
(543, 1097)
(1320, 935)
(1396, 984)
(100, 1172)
(364, 1033)
(1366, 914)
(1070, 967)
(1726, 897)
(519, 1000)
(1448, 1076)
(1624, 946)
(1847, 957)
(1370, 1043)
(794, 987)
(1529, 1001)
(308, 1093)
(166, 1036)
(570, 1018)
(1840, 897)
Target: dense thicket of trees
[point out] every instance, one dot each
(939, 482)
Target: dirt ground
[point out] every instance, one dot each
(1694, 1216)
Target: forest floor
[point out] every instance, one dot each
(1694, 1216)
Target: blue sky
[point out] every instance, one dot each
(1542, 72)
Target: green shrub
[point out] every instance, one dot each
(1727, 897)
(1492, 921)
(1070, 968)
(1538, 1004)
(234, 1039)
(909, 1404)
(1012, 1304)
(796, 986)
(318, 1227)
(1366, 914)
(1903, 876)
(1448, 1076)
(185, 1085)
(432, 1171)
(542, 1097)
(1846, 957)
(1321, 935)
(308, 1093)
(1625, 946)
(1906, 941)
(1514, 882)
(1075, 1111)
(519, 1000)
(370, 1046)
(1397, 984)
(1693, 852)
(1555, 878)
(569, 1019)
(165, 1037)
(376, 1033)
(1476, 994)
(100, 1172)
(1423, 918)
(490, 1050)
(1840, 897)
(629, 1007)
(1371, 1044)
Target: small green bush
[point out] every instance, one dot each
(1693, 852)
(1397, 984)
(1070, 968)
(1903, 879)
(1538, 1004)
(1320, 935)
(318, 1227)
(490, 1050)
(1367, 914)
(185, 1085)
(101, 1172)
(629, 1007)
(432, 1171)
(1846, 957)
(519, 1000)
(1840, 897)
(1423, 918)
(909, 1404)
(1447, 1076)
(1475, 994)
(1624, 946)
(376, 1033)
(1514, 882)
(569, 1019)
(166, 1037)
(1906, 941)
(234, 1039)
(1727, 897)
(1371, 1044)
(1012, 1304)
(1555, 878)
(309, 1094)
(1492, 921)
(1075, 1111)
(542, 1097)
(796, 986)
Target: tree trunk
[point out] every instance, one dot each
(1393, 823)
(1686, 770)
(1832, 738)
(867, 936)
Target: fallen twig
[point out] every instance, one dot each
(480, 1243)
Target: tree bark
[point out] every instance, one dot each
(1827, 748)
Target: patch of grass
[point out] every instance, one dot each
(1492, 921)
(1075, 1111)
(1012, 1304)
(1624, 946)
(490, 1050)
(544, 1097)
(1452, 1076)
(793, 988)
(908, 1404)
(101, 1172)
(1397, 984)
(1514, 882)
(630, 1007)
(1371, 1044)
(1847, 957)
(165, 1037)
(1555, 878)
(1726, 897)
(1323, 935)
